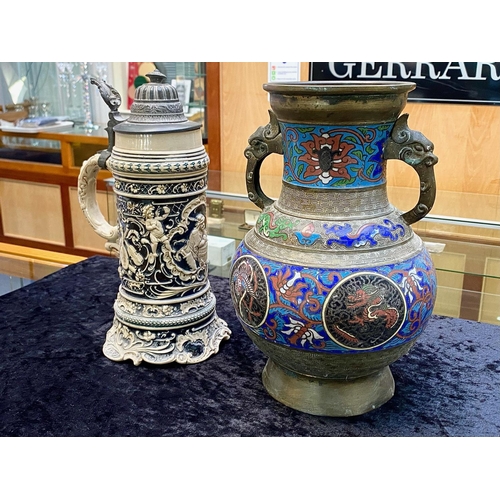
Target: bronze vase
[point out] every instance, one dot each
(332, 284)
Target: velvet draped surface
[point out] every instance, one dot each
(55, 381)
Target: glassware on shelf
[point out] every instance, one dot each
(33, 108)
(64, 87)
(87, 110)
(44, 109)
(68, 81)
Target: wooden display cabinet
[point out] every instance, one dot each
(39, 171)
(38, 189)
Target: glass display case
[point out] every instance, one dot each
(53, 89)
(189, 78)
(51, 120)
(63, 89)
(462, 230)
(468, 272)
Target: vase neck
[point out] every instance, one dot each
(334, 204)
(334, 157)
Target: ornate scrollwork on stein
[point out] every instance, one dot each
(191, 345)
(165, 310)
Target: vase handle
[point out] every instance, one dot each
(416, 150)
(87, 181)
(263, 142)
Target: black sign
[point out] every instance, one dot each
(459, 82)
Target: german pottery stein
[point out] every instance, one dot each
(165, 309)
(332, 284)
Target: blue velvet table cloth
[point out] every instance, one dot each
(55, 381)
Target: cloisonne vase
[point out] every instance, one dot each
(332, 284)
(165, 310)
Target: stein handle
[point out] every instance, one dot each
(416, 150)
(263, 142)
(87, 181)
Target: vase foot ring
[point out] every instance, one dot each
(328, 397)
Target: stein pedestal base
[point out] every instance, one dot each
(328, 397)
(182, 345)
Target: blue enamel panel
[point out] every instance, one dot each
(295, 306)
(326, 156)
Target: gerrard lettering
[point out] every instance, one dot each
(416, 70)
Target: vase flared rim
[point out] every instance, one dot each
(345, 87)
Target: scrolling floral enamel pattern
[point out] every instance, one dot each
(320, 156)
(336, 311)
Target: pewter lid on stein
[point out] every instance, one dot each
(156, 109)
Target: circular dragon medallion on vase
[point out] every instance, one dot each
(249, 291)
(364, 311)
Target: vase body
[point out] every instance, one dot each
(165, 309)
(332, 284)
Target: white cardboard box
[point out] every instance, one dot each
(220, 250)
